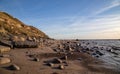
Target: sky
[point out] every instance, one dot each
(68, 19)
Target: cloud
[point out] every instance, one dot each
(100, 27)
(113, 4)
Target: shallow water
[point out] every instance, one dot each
(110, 59)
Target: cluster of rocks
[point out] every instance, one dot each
(57, 63)
(69, 47)
(22, 42)
(5, 58)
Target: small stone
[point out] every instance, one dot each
(4, 60)
(36, 59)
(70, 49)
(51, 64)
(14, 67)
(61, 67)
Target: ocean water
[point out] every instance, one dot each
(110, 59)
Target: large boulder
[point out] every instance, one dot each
(4, 60)
(25, 44)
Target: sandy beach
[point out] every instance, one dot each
(78, 62)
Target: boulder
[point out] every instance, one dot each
(4, 60)
(25, 44)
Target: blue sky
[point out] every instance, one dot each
(69, 19)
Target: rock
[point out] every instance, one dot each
(22, 39)
(14, 67)
(25, 44)
(70, 49)
(100, 53)
(4, 60)
(50, 64)
(36, 59)
(57, 60)
(29, 39)
(61, 67)
(4, 49)
(64, 57)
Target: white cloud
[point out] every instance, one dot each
(99, 27)
(113, 4)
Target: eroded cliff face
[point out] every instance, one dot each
(12, 28)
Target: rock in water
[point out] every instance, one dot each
(14, 67)
(4, 61)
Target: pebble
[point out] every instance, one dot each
(61, 67)
(36, 59)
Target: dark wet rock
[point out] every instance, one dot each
(14, 67)
(110, 50)
(97, 56)
(115, 48)
(100, 53)
(93, 54)
(4, 60)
